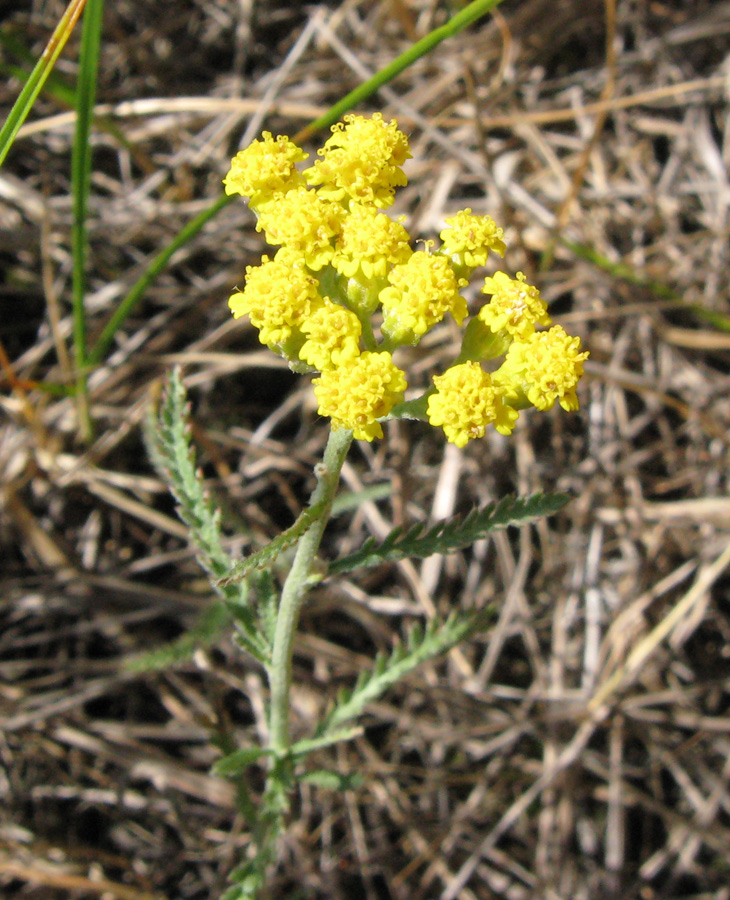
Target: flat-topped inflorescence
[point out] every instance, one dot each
(345, 290)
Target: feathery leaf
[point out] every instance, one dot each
(421, 645)
(169, 446)
(451, 534)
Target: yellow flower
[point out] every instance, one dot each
(362, 161)
(279, 296)
(333, 337)
(302, 221)
(465, 402)
(469, 238)
(420, 293)
(369, 242)
(265, 168)
(542, 368)
(357, 395)
(516, 307)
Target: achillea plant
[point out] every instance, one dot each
(341, 294)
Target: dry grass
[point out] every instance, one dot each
(577, 750)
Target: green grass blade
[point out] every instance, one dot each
(54, 87)
(38, 76)
(80, 186)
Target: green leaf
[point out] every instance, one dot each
(168, 443)
(80, 187)
(206, 631)
(38, 76)
(239, 760)
(263, 558)
(332, 781)
(305, 747)
(421, 645)
(452, 534)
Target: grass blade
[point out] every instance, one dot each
(80, 185)
(38, 76)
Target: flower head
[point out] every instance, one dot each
(265, 168)
(466, 401)
(357, 395)
(420, 293)
(369, 242)
(341, 257)
(302, 221)
(279, 296)
(333, 337)
(468, 238)
(516, 307)
(361, 161)
(542, 368)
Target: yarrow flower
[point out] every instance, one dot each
(333, 337)
(278, 298)
(305, 222)
(420, 293)
(369, 242)
(361, 161)
(465, 402)
(544, 367)
(358, 395)
(264, 169)
(468, 239)
(516, 307)
(340, 258)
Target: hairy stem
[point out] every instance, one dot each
(295, 586)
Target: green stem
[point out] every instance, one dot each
(295, 586)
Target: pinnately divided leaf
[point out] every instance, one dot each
(268, 554)
(421, 646)
(452, 534)
(170, 448)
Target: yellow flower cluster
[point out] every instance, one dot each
(341, 259)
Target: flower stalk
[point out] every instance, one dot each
(295, 587)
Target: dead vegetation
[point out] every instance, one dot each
(578, 749)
